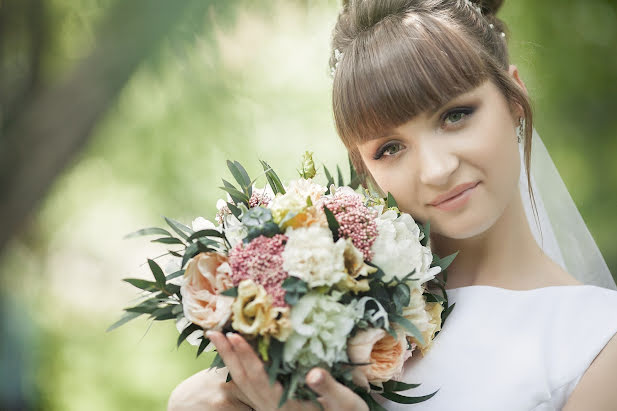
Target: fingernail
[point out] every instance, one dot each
(315, 377)
(209, 333)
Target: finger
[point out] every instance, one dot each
(332, 394)
(231, 360)
(258, 383)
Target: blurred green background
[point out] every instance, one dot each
(150, 99)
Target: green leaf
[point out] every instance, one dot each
(390, 201)
(189, 253)
(408, 325)
(354, 180)
(157, 272)
(332, 223)
(126, 317)
(182, 230)
(401, 296)
(236, 196)
(273, 179)
(245, 176)
(236, 173)
(339, 176)
(446, 313)
(234, 210)
(426, 229)
(202, 346)
(217, 362)
(148, 231)
(205, 233)
(173, 275)
(433, 298)
(393, 386)
(373, 405)
(401, 399)
(276, 352)
(168, 240)
(141, 284)
(445, 262)
(328, 176)
(230, 292)
(186, 332)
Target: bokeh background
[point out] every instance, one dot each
(116, 113)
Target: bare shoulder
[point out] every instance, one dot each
(595, 390)
(206, 390)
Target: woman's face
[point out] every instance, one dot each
(469, 143)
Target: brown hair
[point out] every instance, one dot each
(403, 57)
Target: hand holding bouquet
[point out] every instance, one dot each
(311, 276)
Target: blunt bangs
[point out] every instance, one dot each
(401, 67)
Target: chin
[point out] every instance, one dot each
(465, 226)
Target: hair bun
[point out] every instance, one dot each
(491, 6)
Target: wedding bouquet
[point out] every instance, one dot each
(311, 275)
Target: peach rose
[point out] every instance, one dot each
(385, 354)
(206, 276)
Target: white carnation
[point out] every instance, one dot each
(294, 199)
(311, 255)
(397, 249)
(321, 326)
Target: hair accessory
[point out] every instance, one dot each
(479, 10)
(338, 56)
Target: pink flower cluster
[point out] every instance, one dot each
(356, 221)
(259, 200)
(261, 261)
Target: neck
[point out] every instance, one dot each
(506, 255)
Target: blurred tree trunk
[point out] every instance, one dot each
(42, 129)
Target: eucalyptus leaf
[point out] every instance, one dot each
(339, 176)
(186, 332)
(426, 229)
(168, 240)
(401, 399)
(328, 176)
(390, 201)
(175, 274)
(445, 262)
(182, 230)
(202, 346)
(409, 326)
(332, 223)
(157, 272)
(126, 317)
(205, 233)
(393, 386)
(148, 231)
(230, 292)
(141, 284)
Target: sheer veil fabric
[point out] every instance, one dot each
(559, 229)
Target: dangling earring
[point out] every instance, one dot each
(520, 129)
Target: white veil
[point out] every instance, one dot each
(564, 235)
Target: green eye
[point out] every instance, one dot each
(457, 115)
(393, 149)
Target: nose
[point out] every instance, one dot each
(437, 163)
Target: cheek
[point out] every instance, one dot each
(399, 180)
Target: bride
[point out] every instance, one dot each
(431, 110)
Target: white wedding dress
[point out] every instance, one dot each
(511, 350)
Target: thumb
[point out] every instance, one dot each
(332, 394)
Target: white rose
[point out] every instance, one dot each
(397, 249)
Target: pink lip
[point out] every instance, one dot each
(457, 195)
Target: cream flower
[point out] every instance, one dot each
(295, 198)
(397, 249)
(355, 268)
(311, 255)
(321, 326)
(254, 314)
(206, 276)
(425, 316)
(385, 354)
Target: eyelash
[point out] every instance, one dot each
(462, 110)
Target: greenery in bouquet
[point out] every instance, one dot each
(312, 275)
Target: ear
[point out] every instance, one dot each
(513, 71)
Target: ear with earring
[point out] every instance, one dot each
(520, 129)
